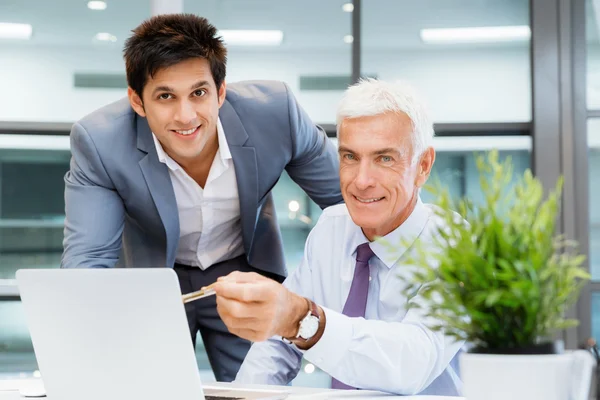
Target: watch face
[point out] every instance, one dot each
(308, 327)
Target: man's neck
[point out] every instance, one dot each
(198, 167)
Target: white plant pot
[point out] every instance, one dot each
(527, 377)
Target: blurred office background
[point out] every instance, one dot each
(529, 87)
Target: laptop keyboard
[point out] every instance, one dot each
(222, 398)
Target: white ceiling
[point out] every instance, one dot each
(306, 23)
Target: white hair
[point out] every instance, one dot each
(371, 97)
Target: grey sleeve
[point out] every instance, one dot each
(94, 210)
(315, 164)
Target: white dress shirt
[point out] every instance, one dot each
(391, 349)
(209, 218)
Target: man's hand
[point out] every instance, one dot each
(255, 308)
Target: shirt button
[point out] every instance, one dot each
(370, 278)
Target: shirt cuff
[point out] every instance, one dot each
(335, 342)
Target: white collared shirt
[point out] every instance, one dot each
(209, 218)
(391, 349)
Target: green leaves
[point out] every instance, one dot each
(503, 279)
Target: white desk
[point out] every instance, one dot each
(297, 393)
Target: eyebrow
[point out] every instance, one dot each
(199, 84)
(196, 85)
(387, 151)
(161, 89)
(343, 149)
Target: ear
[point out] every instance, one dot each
(424, 166)
(222, 93)
(136, 102)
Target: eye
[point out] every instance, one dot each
(386, 159)
(200, 92)
(349, 157)
(164, 96)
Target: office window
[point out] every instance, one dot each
(296, 214)
(31, 233)
(313, 57)
(70, 66)
(593, 139)
(464, 77)
(594, 202)
(592, 14)
(596, 315)
(593, 54)
(457, 169)
(31, 209)
(16, 350)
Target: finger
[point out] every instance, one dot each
(234, 324)
(243, 292)
(234, 309)
(238, 312)
(240, 317)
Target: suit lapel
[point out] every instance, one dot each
(159, 184)
(246, 171)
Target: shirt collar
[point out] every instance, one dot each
(400, 238)
(224, 151)
(223, 146)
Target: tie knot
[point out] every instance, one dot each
(364, 253)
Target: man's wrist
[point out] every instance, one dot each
(300, 307)
(303, 344)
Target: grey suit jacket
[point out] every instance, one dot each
(120, 204)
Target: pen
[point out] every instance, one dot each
(199, 294)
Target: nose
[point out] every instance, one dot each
(185, 113)
(365, 176)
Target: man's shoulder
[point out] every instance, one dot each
(336, 212)
(114, 119)
(263, 107)
(333, 218)
(256, 91)
(438, 218)
(260, 99)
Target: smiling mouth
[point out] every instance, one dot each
(186, 132)
(368, 200)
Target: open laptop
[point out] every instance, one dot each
(116, 334)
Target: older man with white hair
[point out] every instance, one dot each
(343, 309)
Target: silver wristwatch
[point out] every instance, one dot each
(309, 325)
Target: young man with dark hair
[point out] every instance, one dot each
(179, 174)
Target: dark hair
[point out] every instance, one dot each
(165, 40)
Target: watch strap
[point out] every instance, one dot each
(313, 310)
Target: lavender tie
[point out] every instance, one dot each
(356, 303)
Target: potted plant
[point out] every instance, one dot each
(502, 281)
